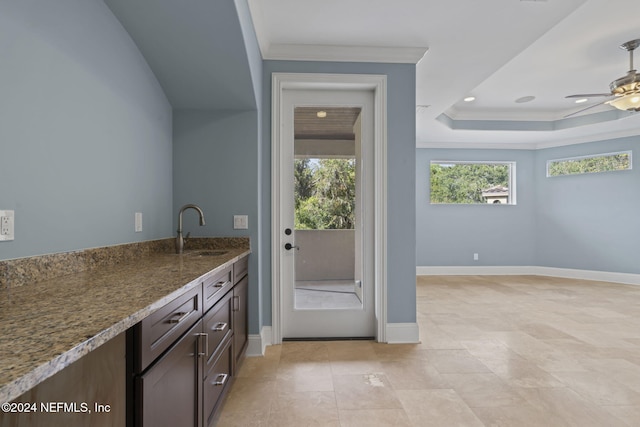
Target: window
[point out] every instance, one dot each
(606, 162)
(325, 193)
(456, 182)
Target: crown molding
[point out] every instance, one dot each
(480, 145)
(531, 145)
(331, 53)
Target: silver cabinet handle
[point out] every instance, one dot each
(206, 344)
(219, 327)
(221, 379)
(183, 315)
(220, 284)
(236, 303)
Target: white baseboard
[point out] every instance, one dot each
(569, 273)
(475, 271)
(600, 276)
(403, 333)
(258, 342)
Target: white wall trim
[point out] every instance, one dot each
(377, 83)
(569, 273)
(317, 52)
(474, 271)
(528, 145)
(403, 333)
(259, 342)
(601, 276)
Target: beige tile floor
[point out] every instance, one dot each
(495, 351)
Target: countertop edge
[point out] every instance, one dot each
(26, 382)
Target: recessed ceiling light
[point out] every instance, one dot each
(581, 100)
(321, 114)
(525, 99)
(469, 99)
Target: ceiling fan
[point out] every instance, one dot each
(625, 91)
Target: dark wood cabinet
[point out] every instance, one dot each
(183, 361)
(169, 389)
(217, 285)
(240, 318)
(157, 332)
(98, 378)
(217, 381)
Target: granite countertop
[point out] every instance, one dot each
(47, 325)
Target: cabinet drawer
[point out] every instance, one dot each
(161, 329)
(217, 382)
(240, 269)
(215, 286)
(168, 392)
(217, 325)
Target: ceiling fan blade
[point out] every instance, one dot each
(588, 95)
(584, 109)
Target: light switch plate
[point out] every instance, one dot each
(138, 221)
(240, 222)
(7, 220)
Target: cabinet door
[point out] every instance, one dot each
(240, 320)
(168, 392)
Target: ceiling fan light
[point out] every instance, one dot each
(629, 102)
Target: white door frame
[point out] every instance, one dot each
(378, 84)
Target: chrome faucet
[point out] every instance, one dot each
(179, 239)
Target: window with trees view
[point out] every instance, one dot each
(455, 182)
(607, 162)
(325, 194)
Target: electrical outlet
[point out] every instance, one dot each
(475, 257)
(7, 225)
(240, 222)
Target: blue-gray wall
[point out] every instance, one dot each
(216, 166)
(591, 221)
(585, 222)
(215, 159)
(85, 130)
(401, 90)
(449, 235)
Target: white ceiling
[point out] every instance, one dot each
(495, 50)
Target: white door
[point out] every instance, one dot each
(327, 283)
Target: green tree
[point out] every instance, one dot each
(464, 182)
(331, 204)
(303, 177)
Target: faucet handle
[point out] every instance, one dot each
(187, 236)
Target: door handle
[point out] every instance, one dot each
(289, 246)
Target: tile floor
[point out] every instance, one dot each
(495, 351)
(326, 294)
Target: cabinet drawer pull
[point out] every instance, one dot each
(219, 327)
(206, 344)
(220, 284)
(221, 379)
(183, 315)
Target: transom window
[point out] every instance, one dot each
(607, 162)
